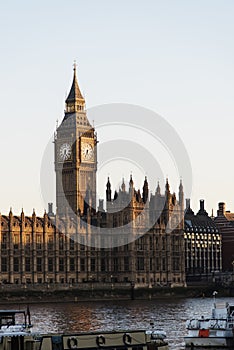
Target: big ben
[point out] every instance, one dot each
(75, 157)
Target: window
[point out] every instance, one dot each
(151, 243)
(4, 241)
(16, 264)
(116, 264)
(151, 264)
(50, 265)
(4, 264)
(39, 264)
(82, 264)
(115, 222)
(140, 264)
(27, 264)
(140, 244)
(103, 265)
(176, 244)
(126, 263)
(61, 241)
(176, 264)
(61, 264)
(72, 243)
(93, 243)
(38, 242)
(27, 242)
(126, 247)
(50, 242)
(157, 265)
(72, 264)
(93, 264)
(16, 241)
(82, 243)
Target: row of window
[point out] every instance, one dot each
(39, 264)
(141, 244)
(104, 264)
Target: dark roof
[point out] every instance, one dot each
(199, 222)
(74, 93)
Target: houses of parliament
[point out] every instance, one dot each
(132, 237)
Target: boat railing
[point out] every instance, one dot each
(193, 324)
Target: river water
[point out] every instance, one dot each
(167, 314)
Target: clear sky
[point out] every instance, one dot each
(174, 57)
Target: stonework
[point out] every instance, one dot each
(137, 238)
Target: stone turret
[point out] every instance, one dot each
(108, 190)
(145, 191)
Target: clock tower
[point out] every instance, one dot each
(75, 156)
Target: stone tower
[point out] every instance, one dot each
(75, 157)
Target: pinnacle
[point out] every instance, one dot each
(74, 93)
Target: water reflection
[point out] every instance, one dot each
(168, 314)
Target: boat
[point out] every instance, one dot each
(15, 331)
(214, 332)
(16, 335)
(118, 340)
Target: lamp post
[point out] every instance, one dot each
(24, 282)
(91, 279)
(132, 290)
(47, 281)
(112, 285)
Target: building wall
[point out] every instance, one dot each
(225, 222)
(203, 244)
(68, 247)
(37, 250)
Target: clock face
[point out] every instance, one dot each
(87, 152)
(65, 152)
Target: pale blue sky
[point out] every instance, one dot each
(175, 57)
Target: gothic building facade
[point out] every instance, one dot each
(138, 238)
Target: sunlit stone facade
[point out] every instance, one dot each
(79, 244)
(37, 250)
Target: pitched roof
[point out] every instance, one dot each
(229, 216)
(74, 93)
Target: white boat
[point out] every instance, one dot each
(15, 331)
(214, 332)
(17, 335)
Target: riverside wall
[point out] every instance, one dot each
(66, 293)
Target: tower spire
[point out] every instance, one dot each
(145, 190)
(108, 190)
(158, 190)
(181, 195)
(75, 101)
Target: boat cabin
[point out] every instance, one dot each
(222, 310)
(12, 318)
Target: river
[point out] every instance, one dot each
(167, 314)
